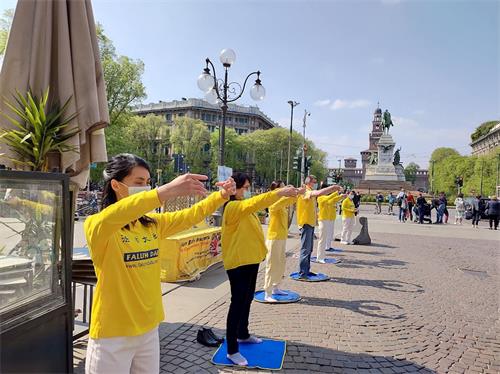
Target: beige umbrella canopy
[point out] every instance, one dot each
(53, 43)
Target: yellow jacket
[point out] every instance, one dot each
(327, 206)
(306, 209)
(127, 299)
(242, 236)
(278, 219)
(348, 208)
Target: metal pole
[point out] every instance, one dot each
(303, 165)
(481, 187)
(292, 105)
(222, 137)
(281, 164)
(432, 176)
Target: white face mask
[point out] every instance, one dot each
(351, 197)
(247, 194)
(132, 190)
(314, 186)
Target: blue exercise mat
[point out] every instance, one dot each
(268, 355)
(290, 297)
(320, 277)
(338, 250)
(327, 260)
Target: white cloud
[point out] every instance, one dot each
(407, 123)
(349, 104)
(320, 103)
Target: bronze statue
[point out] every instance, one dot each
(387, 121)
(397, 157)
(373, 158)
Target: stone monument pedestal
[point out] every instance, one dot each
(385, 170)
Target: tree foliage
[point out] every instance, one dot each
(5, 23)
(483, 129)
(411, 172)
(471, 168)
(123, 77)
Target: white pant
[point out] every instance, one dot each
(124, 355)
(326, 229)
(347, 226)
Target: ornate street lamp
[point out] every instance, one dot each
(222, 92)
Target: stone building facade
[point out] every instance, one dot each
(243, 119)
(487, 143)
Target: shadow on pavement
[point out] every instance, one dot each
(379, 245)
(390, 285)
(180, 351)
(384, 264)
(369, 308)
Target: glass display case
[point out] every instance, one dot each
(35, 272)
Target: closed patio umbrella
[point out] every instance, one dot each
(53, 43)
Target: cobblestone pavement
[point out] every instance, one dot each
(412, 304)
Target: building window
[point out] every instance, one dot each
(168, 116)
(181, 114)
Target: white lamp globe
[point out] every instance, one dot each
(227, 56)
(205, 82)
(211, 96)
(257, 92)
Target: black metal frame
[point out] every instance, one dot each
(36, 320)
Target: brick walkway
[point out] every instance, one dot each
(413, 304)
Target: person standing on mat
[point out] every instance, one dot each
(124, 243)
(243, 249)
(348, 217)
(306, 220)
(327, 212)
(277, 234)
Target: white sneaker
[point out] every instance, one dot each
(342, 242)
(277, 291)
(251, 340)
(238, 359)
(320, 261)
(270, 299)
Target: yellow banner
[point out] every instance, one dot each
(183, 257)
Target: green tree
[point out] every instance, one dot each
(5, 23)
(440, 154)
(411, 172)
(123, 77)
(192, 138)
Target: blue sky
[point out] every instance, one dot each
(433, 64)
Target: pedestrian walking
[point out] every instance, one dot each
(327, 213)
(124, 242)
(403, 206)
(421, 205)
(379, 199)
(391, 199)
(306, 220)
(277, 234)
(348, 219)
(459, 209)
(244, 249)
(477, 210)
(493, 212)
(411, 204)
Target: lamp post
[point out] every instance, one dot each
(218, 91)
(293, 104)
(304, 148)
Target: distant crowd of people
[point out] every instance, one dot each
(419, 209)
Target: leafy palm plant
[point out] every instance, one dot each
(39, 130)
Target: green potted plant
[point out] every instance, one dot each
(37, 138)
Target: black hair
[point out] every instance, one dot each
(239, 179)
(118, 168)
(275, 184)
(324, 185)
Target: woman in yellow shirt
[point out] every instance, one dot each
(348, 217)
(124, 240)
(327, 212)
(277, 233)
(243, 249)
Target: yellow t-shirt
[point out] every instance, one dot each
(348, 208)
(327, 206)
(306, 209)
(242, 237)
(127, 299)
(278, 219)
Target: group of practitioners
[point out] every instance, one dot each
(124, 244)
